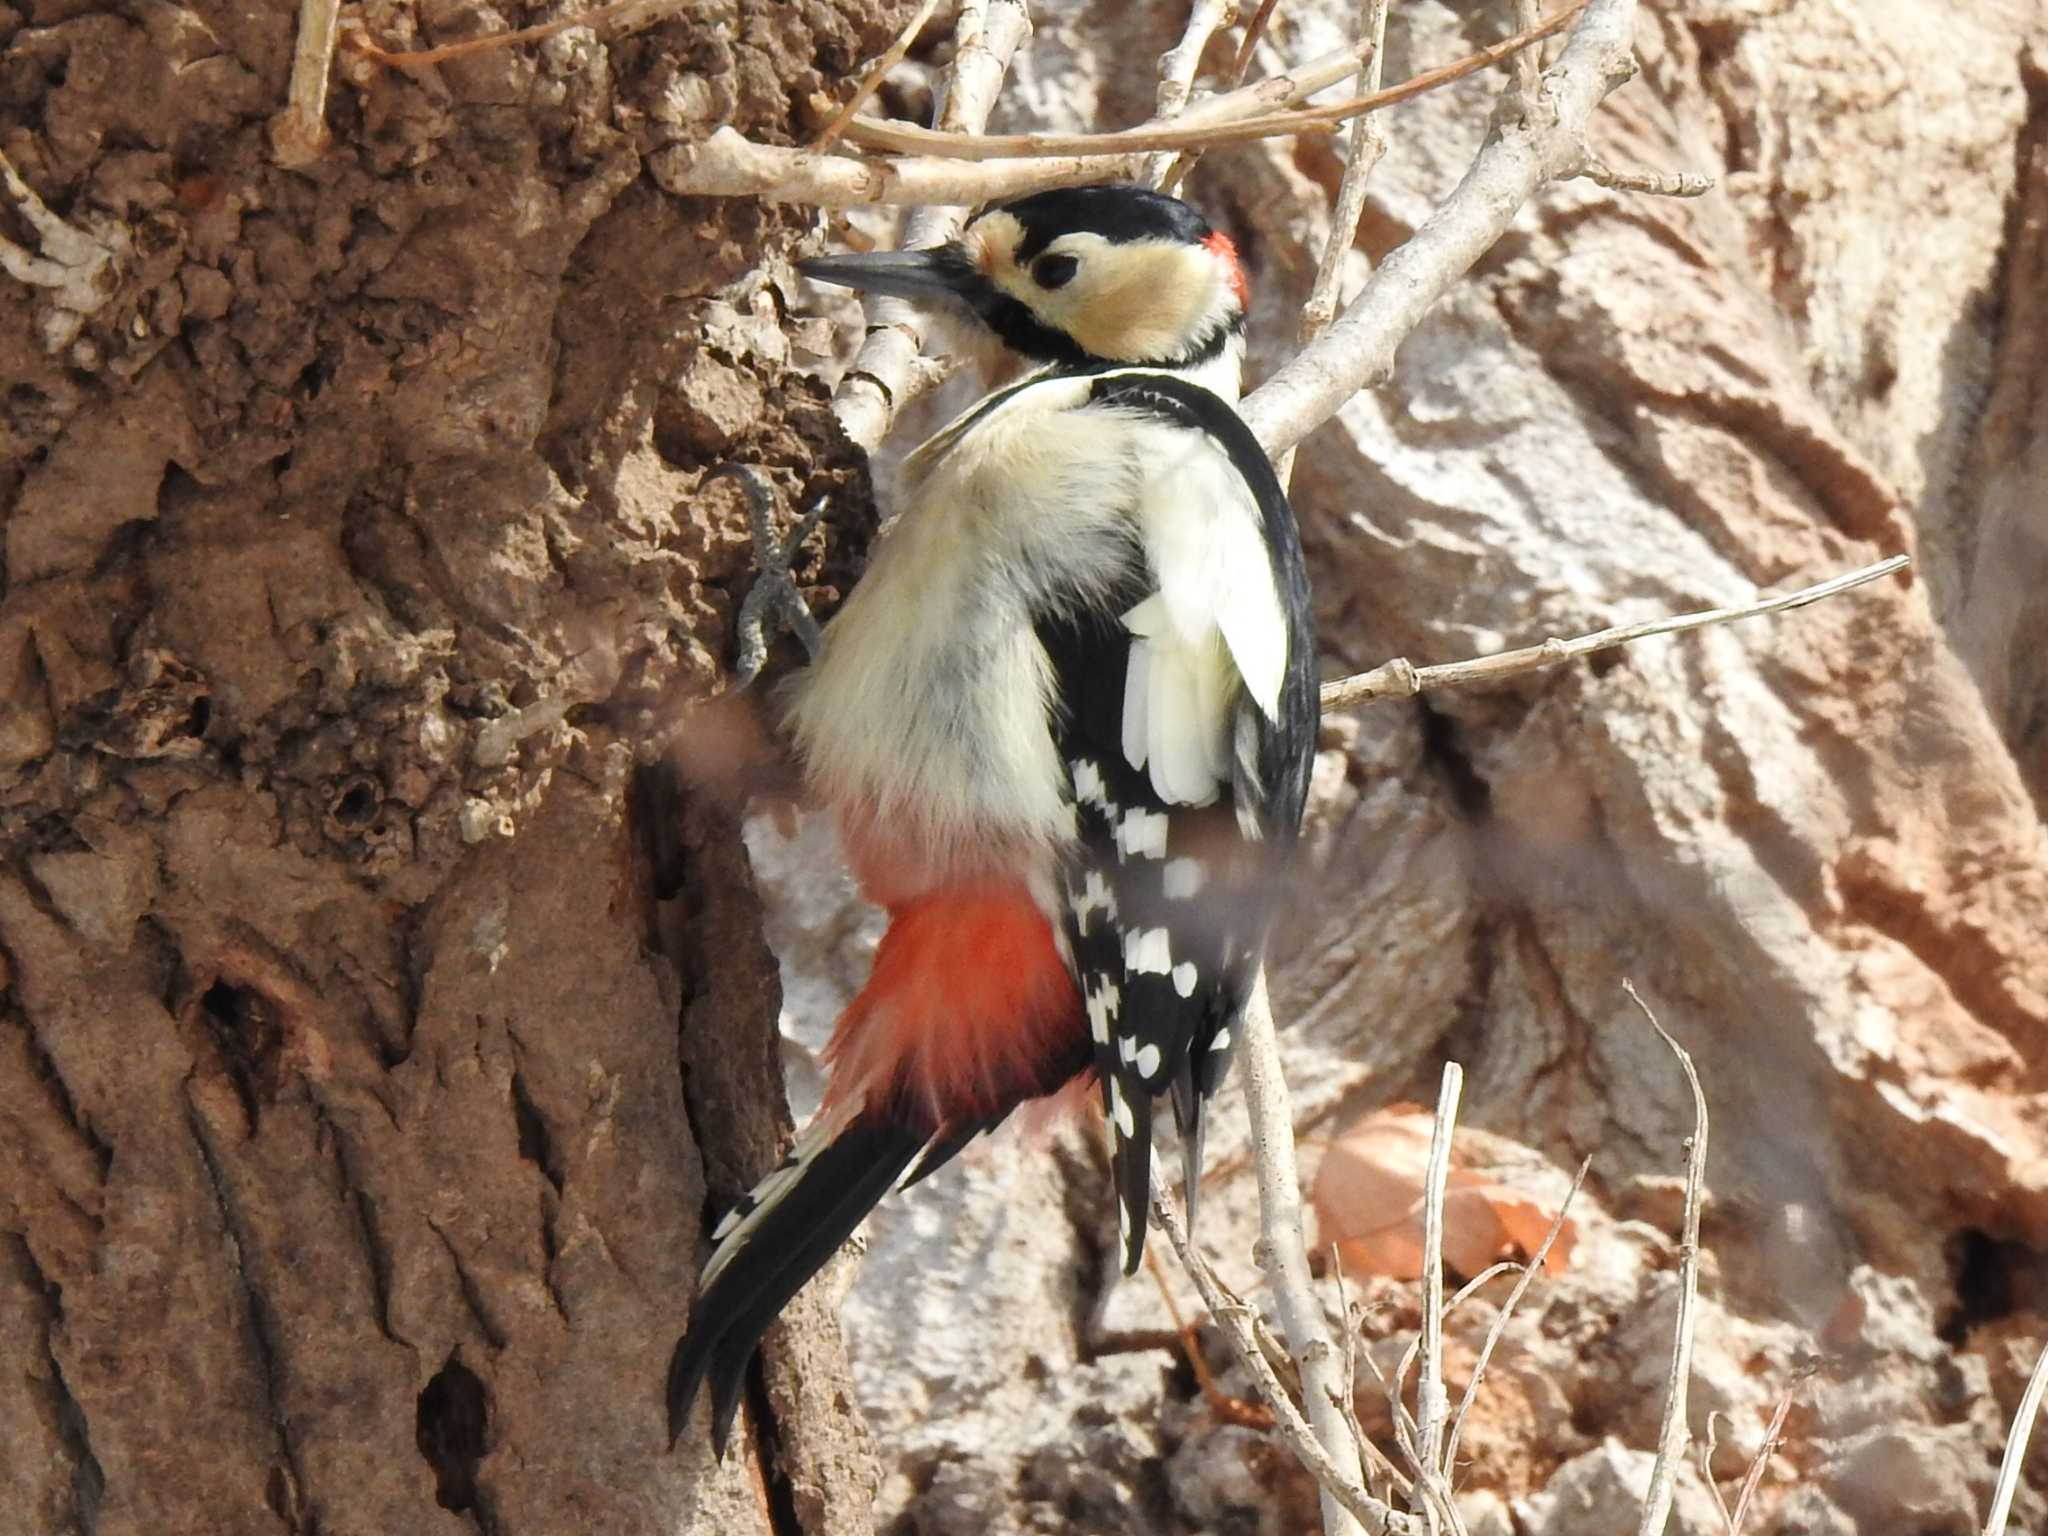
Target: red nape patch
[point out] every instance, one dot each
(1225, 250)
(967, 1010)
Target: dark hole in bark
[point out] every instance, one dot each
(243, 1027)
(453, 1415)
(1984, 1286)
(356, 806)
(196, 719)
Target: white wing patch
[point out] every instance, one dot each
(1141, 834)
(1148, 951)
(1215, 623)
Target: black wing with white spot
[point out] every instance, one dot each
(1187, 724)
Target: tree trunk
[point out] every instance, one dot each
(382, 1021)
(355, 557)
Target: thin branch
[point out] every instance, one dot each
(1772, 1437)
(1528, 66)
(1518, 157)
(1500, 1322)
(728, 164)
(423, 58)
(1229, 1409)
(1672, 1435)
(1402, 679)
(1177, 68)
(1705, 1461)
(1432, 1403)
(1347, 1400)
(1277, 92)
(1655, 183)
(1346, 1489)
(889, 371)
(1253, 31)
(1282, 1249)
(1176, 169)
(2016, 1447)
(903, 138)
(298, 134)
(1368, 143)
(871, 82)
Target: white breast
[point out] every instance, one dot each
(930, 709)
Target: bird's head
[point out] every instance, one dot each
(1080, 277)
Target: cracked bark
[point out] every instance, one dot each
(353, 550)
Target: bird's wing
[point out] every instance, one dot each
(1187, 719)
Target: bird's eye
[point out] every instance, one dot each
(1056, 271)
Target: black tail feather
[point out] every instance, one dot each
(1188, 1121)
(943, 1149)
(1133, 1167)
(781, 1244)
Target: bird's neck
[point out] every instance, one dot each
(1218, 369)
(1222, 373)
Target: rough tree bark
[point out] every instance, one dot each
(353, 1017)
(367, 1005)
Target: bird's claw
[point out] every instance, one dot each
(773, 599)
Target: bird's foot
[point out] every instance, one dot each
(773, 605)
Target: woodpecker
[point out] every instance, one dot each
(1064, 723)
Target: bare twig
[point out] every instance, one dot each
(424, 58)
(1672, 1435)
(889, 371)
(2016, 1448)
(1360, 1510)
(1368, 143)
(1253, 31)
(1656, 183)
(1231, 1410)
(1432, 1404)
(1282, 1249)
(903, 138)
(1705, 1458)
(1528, 66)
(1500, 1322)
(871, 82)
(1402, 679)
(1517, 158)
(1772, 1436)
(728, 164)
(1177, 68)
(1277, 92)
(298, 134)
